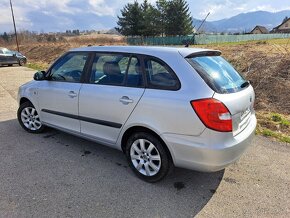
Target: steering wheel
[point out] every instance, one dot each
(75, 74)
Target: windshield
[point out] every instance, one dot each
(218, 73)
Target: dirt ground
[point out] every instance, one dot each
(58, 175)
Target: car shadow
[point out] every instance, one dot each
(70, 176)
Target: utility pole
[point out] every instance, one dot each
(14, 25)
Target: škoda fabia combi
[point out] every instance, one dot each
(161, 106)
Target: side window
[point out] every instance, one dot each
(69, 68)
(116, 69)
(134, 76)
(160, 76)
(1, 52)
(109, 69)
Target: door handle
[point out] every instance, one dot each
(72, 94)
(126, 100)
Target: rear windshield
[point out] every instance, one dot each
(218, 73)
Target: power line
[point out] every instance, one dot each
(14, 25)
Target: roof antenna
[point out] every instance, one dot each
(193, 37)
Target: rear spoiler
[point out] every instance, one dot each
(204, 53)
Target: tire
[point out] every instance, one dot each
(21, 62)
(150, 162)
(29, 118)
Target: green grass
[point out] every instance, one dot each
(37, 66)
(279, 119)
(272, 134)
(274, 125)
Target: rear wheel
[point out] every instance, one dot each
(29, 118)
(147, 157)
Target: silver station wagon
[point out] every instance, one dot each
(163, 107)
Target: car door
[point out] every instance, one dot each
(58, 94)
(114, 89)
(10, 57)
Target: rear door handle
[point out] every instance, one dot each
(72, 94)
(126, 100)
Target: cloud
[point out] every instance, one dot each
(59, 15)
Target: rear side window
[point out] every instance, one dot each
(218, 73)
(116, 69)
(160, 76)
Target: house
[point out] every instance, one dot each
(259, 30)
(284, 27)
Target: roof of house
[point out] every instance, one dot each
(282, 23)
(261, 28)
(150, 50)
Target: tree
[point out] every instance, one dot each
(150, 20)
(284, 20)
(168, 17)
(161, 14)
(5, 37)
(178, 18)
(130, 23)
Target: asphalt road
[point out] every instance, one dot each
(58, 175)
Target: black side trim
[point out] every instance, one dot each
(86, 119)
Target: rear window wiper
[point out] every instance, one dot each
(245, 84)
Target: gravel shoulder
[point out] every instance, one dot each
(58, 175)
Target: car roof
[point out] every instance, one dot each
(148, 50)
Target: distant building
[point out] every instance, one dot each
(259, 30)
(283, 27)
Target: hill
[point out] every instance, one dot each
(245, 22)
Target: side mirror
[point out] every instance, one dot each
(39, 75)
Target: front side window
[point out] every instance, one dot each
(69, 68)
(160, 76)
(116, 69)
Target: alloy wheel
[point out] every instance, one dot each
(30, 118)
(145, 157)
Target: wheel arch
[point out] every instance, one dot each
(135, 129)
(23, 100)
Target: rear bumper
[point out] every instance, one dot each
(212, 150)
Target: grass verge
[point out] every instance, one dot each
(274, 125)
(37, 66)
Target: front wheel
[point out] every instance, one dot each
(29, 118)
(147, 157)
(21, 62)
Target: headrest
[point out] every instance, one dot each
(111, 68)
(138, 68)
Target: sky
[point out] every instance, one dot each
(60, 15)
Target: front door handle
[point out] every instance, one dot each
(72, 94)
(126, 100)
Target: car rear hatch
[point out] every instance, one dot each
(230, 87)
(241, 107)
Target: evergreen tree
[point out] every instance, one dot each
(5, 37)
(178, 18)
(168, 17)
(130, 23)
(150, 20)
(161, 15)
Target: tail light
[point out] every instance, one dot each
(214, 114)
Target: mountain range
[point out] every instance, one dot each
(244, 22)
